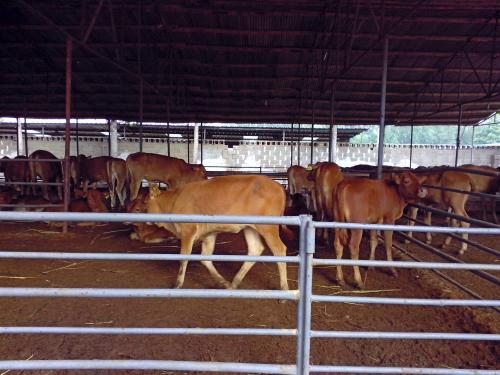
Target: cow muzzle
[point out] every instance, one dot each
(422, 192)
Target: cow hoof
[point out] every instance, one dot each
(444, 246)
(342, 283)
(393, 272)
(227, 285)
(178, 285)
(360, 285)
(461, 252)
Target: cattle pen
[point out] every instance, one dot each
(110, 102)
(303, 295)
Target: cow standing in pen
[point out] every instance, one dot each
(171, 171)
(227, 195)
(366, 201)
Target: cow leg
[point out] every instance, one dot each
(59, 189)
(135, 185)
(85, 185)
(427, 221)
(255, 248)
(339, 250)
(186, 249)
(277, 247)
(354, 243)
(207, 248)
(411, 221)
(373, 245)
(388, 248)
(493, 206)
(112, 190)
(120, 188)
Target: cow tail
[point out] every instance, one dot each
(338, 215)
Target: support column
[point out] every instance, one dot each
(20, 141)
(411, 144)
(312, 135)
(458, 133)
(203, 137)
(26, 150)
(113, 138)
(77, 139)
(141, 108)
(381, 133)
(195, 142)
(69, 54)
(291, 145)
(332, 149)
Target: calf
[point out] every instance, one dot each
(145, 232)
(362, 200)
(485, 184)
(17, 171)
(117, 178)
(298, 183)
(326, 177)
(94, 170)
(227, 195)
(47, 171)
(446, 200)
(154, 167)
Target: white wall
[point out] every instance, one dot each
(266, 154)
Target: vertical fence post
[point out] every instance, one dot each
(306, 252)
(69, 55)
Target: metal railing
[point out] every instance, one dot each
(303, 295)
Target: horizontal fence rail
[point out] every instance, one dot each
(303, 295)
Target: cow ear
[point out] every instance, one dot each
(154, 191)
(396, 178)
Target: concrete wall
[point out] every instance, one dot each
(266, 154)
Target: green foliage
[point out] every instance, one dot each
(486, 132)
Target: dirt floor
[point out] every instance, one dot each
(229, 313)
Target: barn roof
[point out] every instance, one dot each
(242, 61)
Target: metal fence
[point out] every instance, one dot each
(303, 295)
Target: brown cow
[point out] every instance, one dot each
(17, 171)
(142, 231)
(227, 195)
(298, 183)
(75, 170)
(485, 184)
(117, 178)
(7, 196)
(47, 171)
(362, 200)
(154, 167)
(326, 177)
(445, 200)
(94, 170)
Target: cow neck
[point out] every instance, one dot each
(398, 193)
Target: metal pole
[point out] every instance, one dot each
(26, 137)
(77, 140)
(291, 144)
(19, 137)
(196, 141)
(458, 133)
(380, 159)
(113, 136)
(307, 248)
(312, 134)
(202, 141)
(472, 143)
(298, 146)
(188, 138)
(109, 138)
(332, 144)
(141, 89)
(411, 143)
(69, 53)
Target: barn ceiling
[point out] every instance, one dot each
(273, 61)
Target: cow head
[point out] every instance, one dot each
(409, 186)
(139, 204)
(199, 172)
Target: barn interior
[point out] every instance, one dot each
(304, 71)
